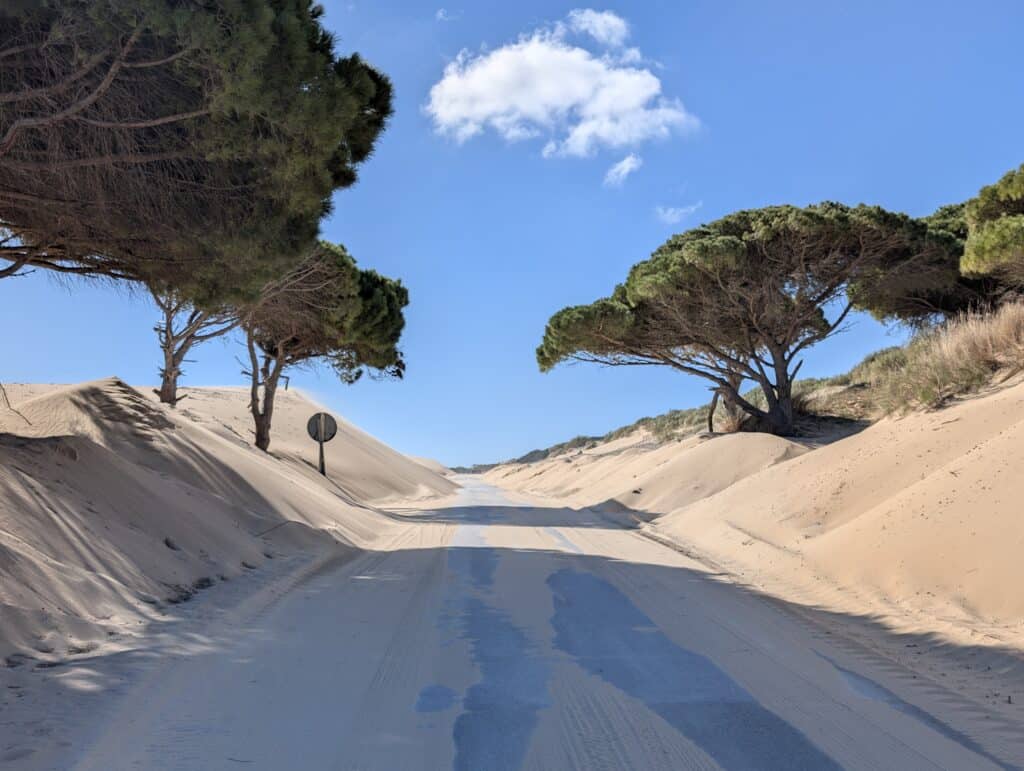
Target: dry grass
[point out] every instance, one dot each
(960, 357)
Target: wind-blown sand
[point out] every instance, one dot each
(648, 477)
(917, 522)
(433, 465)
(469, 628)
(498, 632)
(113, 506)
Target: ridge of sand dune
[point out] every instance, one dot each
(368, 468)
(920, 515)
(110, 412)
(436, 466)
(112, 505)
(648, 477)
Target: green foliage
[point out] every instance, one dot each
(995, 244)
(879, 366)
(194, 144)
(739, 298)
(939, 291)
(602, 328)
(371, 339)
(328, 309)
(934, 289)
(950, 219)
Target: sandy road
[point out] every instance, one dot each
(496, 636)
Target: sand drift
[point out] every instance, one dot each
(500, 634)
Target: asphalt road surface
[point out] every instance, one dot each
(493, 635)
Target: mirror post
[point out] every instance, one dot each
(323, 469)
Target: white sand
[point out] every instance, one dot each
(470, 629)
(436, 466)
(915, 522)
(492, 633)
(112, 504)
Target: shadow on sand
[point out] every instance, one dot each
(608, 634)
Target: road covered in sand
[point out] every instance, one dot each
(499, 634)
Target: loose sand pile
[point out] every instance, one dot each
(918, 521)
(648, 477)
(113, 506)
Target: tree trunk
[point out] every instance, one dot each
(780, 419)
(732, 407)
(183, 327)
(262, 422)
(168, 392)
(268, 375)
(171, 370)
(266, 415)
(780, 411)
(711, 412)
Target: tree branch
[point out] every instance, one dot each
(151, 123)
(15, 266)
(112, 159)
(56, 88)
(158, 62)
(7, 401)
(16, 128)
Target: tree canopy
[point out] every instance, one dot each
(995, 218)
(742, 297)
(179, 142)
(983, 267)
(326, 310)
(936, 290)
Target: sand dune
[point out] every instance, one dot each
(373, 633)
(436, 466)
(920, 515)
(637, 472)
(496, 634)
(112, 506)
(916, 520)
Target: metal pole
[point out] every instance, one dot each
(323, 469)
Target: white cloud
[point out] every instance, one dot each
(605, 27)
(630, 56)
(443, 14)
(672, 215)
(617, 174)
(543, 86)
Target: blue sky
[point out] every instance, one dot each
(488, 195)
